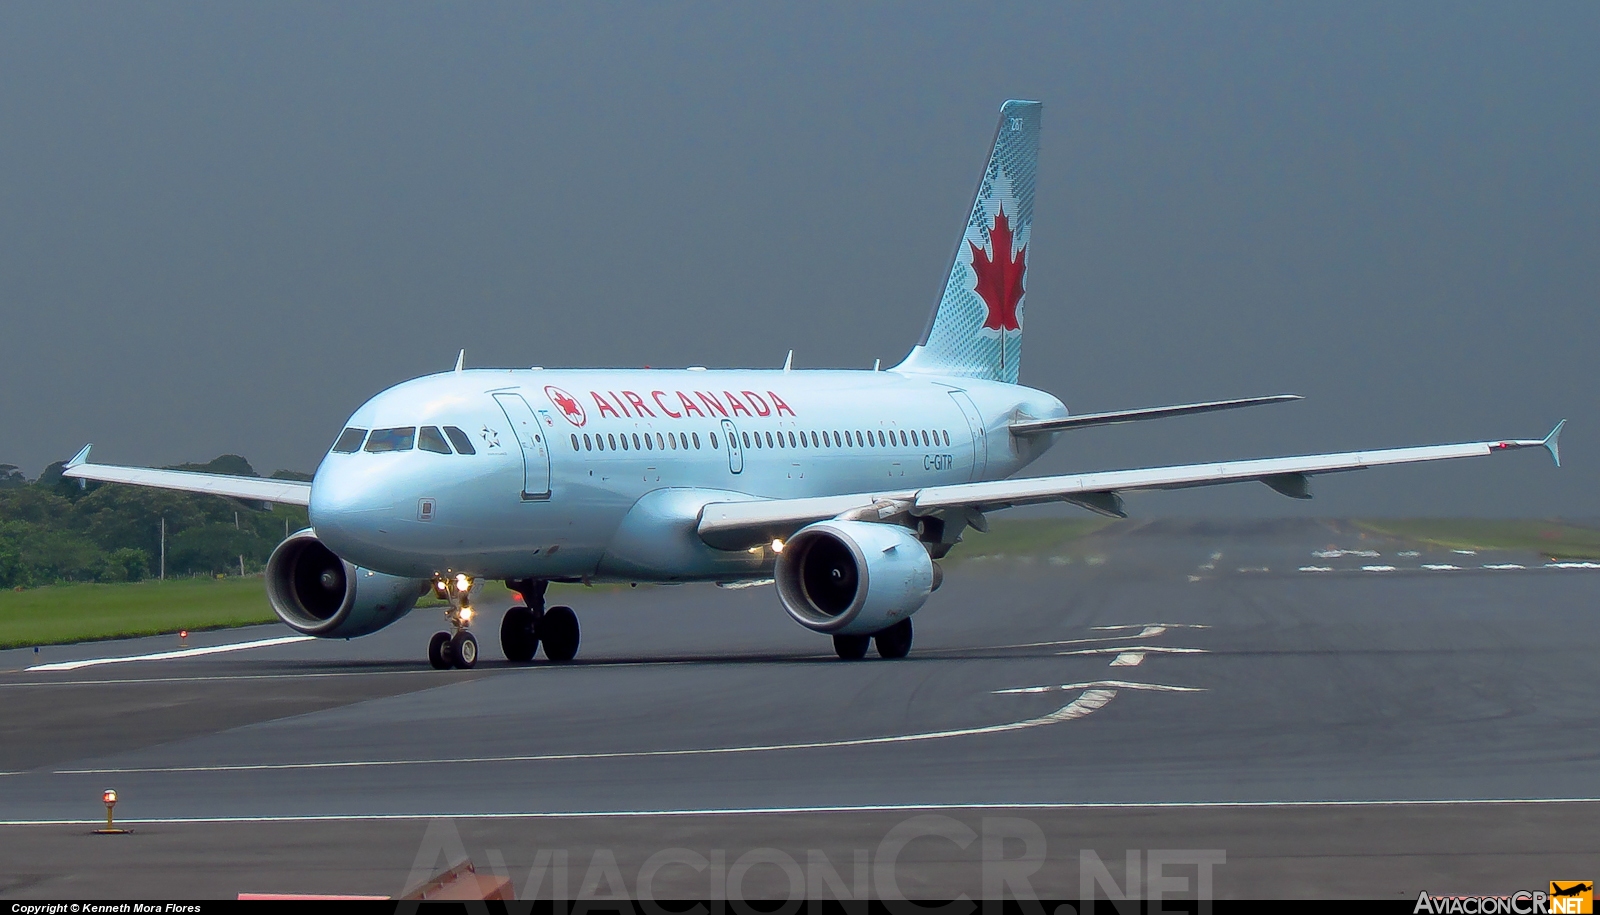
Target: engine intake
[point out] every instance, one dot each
(853, 577)
(315, 592)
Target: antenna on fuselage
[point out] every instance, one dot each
(461, 359)
(788, 361)
(876, 363)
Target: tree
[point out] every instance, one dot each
(11, 477)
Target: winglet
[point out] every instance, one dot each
(81, 457)
(1551, 443)
(461, 358)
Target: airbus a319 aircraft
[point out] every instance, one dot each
(845, 487)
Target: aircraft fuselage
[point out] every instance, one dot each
(600, 474)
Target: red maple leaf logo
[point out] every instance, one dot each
(567, 404)
(1000, 279)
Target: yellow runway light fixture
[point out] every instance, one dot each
(109, 796)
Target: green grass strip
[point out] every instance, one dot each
(83, 612)
(1556, 539)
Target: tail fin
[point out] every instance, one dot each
(976, 329)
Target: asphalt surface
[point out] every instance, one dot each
(1344, 724)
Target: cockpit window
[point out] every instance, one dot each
(431, 440)
(400, 439)
(349, 441)
(460, 440)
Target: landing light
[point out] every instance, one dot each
(463, 583)
(777, 546)
(466, 614)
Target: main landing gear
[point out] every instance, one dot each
(524, 628)
(456, 648)
(894, 642)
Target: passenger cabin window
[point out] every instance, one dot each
(349, 441)
(460, 440)
(431, 439)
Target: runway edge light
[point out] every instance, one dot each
(109, 796)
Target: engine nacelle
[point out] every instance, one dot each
(853, 577)
(315, 592)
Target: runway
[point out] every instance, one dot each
(1337, 723)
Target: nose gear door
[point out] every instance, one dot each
(735, 453)
(535, 450)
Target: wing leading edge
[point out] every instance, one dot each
(288, 492)
(1086, 420)
(737, 525)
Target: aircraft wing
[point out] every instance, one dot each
(288, 492)
(736, 525)
(1085, 420)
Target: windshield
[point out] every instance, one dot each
(400, 439)
(349, 440)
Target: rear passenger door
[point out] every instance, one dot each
(735, 453)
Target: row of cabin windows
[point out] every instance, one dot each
(404, 438)
(647, 442)
(664, 441)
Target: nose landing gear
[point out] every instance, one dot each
(456, 648)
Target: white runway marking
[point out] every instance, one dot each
(1502, 566)
(1572, 565)
(1092, 699)
(169, 655)
(1316, 568)
(30, 684)
(1147, 632)
(1128, 659)
(1377, 568)
(821, 808)
(1440, 567)
(1163, 626)
(1139, 648)
(1097, 684)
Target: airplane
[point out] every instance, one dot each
(1577, 889)
(844, 487)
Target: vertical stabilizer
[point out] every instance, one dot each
(976, 329)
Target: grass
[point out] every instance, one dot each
(1025, 537)
(1556, 539)
(83, 612)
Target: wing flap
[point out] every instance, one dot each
(288, 492)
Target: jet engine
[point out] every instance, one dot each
(316, 592)
(853, 577)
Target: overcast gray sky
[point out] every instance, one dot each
(223, 226)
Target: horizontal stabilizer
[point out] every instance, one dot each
(287, 492)
(1041, 426)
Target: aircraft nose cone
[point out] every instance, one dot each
(347, 508)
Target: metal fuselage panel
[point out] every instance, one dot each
(627, 513)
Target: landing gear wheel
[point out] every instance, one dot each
(519, 639)
(851, 647)
(559, 632)
(439, 654)
(894, 642)
(463, 650)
